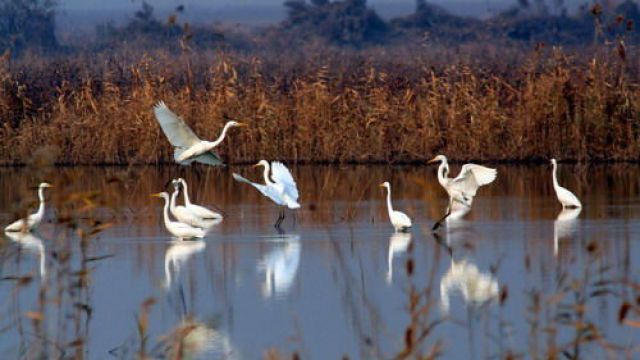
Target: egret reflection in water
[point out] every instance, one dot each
(564, 226)
(398, 244)
(476, 287)
(32, 244)
(177, 254)
(280, 266)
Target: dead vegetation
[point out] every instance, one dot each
(326, 105)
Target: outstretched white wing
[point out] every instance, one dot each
(281, 175)
(267, 191)
(473, 176)
(176, 130)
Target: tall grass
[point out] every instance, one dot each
(382, 105)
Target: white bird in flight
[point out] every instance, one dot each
(178, 229)
(463, 188)
(188, 147)
(399, 220)
(280, 187)
(32, 221)
(201, 211)
(566, 197)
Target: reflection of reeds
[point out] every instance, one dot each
(338, 109)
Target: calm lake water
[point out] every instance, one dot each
(102, 278)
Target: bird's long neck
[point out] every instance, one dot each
(555, 175)
(173, 199)
(185, 193)
(443, 169)
(389, 207)
(40, 212)
(267, 180)
(222, 135)
(166, 211)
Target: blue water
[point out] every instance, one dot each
(503, 280)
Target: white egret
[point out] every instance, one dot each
(177, 254)
(282, 190)
(181, 213)
(200, 211)
(33, 244)
(176, 228)
(477, 288)
(566, 197)
(564, 226)
(188, 147)
(32, 221)
(463, 188)
(398, 244)
(280, 267)
(399, 220)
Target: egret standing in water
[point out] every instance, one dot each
(399, 220)
(32, 221)
(177, 228)
(464, 187)
(280, 187)
(181, 213)
(188, 147)
(566, 197)
(201, 211)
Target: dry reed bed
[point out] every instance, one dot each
(335, 108)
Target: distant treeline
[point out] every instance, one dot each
(352, 23)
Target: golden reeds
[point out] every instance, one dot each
(333, 107)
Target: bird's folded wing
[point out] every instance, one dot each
(282, 176)
(473, 176)
(176, 130)
(209, 158)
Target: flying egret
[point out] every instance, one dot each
(188, 147)
(201, 211)
(566, 197)
(176, 228)
(32, 221)
(399, 220)
(181, 213)
(282, 190)
(464, 187)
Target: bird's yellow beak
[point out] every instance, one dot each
(256, 165)
(381, 185)
(156, 195)
(241, 125)
(432, 161)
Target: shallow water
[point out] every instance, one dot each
(515, 276)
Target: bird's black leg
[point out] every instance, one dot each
(439, 223)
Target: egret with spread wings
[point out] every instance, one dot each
(464, 187)
(279, 187)
(188, 146)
